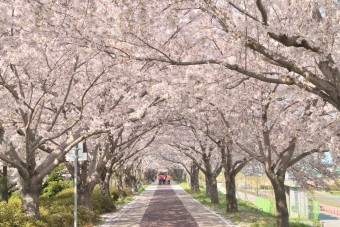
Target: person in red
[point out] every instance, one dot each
(161, 178)
(168, 179)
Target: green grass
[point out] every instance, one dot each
(57, 209)
(248, 214)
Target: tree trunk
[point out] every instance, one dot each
(105, 190)
(230, 193)
(230, 172)
(281, 201)
(4, 192)
(30, 196)
(120, 185)
(194, 181)
(178, 175)
(105, 184)
(207, 187)
(85, 195)
(86, 184)
(210, 180)
(213, 191)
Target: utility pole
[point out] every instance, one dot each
(74, 155)
(75, 184)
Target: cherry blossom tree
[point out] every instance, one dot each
(275, 42)
(191, 167)
(54, 76)
(202, 152)
(279, 136)
(129, 149)
(45, 86)
(71, 71)
(223, 138)
(41, 116)
(101, 155)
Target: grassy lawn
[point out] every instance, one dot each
(249, 215)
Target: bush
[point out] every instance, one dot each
(60, 216)
(12, 215)
(57, 211)
(52, 188)
(15, 194)
(127, 191)
(114, 194)
(101, 204)
(54, 183)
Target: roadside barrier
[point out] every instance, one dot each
(330, 209)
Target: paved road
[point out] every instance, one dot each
(329, 220)
(164, 205)
(332, 200)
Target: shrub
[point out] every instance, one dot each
(60, 216)
(101, 204)
(58, 210)
(114, 194)
(12, 215)
(15, 194)
(54, 183)
(54, 187)
(127, 191)
(55, 175)
(15, 203)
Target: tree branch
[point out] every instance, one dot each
(290, 65)
(294, 41)
(176, 162)
(258, 158)
(263, 12)
(303, 155)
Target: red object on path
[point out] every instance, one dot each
(161, 177)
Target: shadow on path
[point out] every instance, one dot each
(166, 209)
(325, 216)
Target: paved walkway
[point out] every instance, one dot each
(164, 205)
(329, 220)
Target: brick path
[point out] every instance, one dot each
(166, 209)
(164, 205)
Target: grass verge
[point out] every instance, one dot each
(248, 214)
